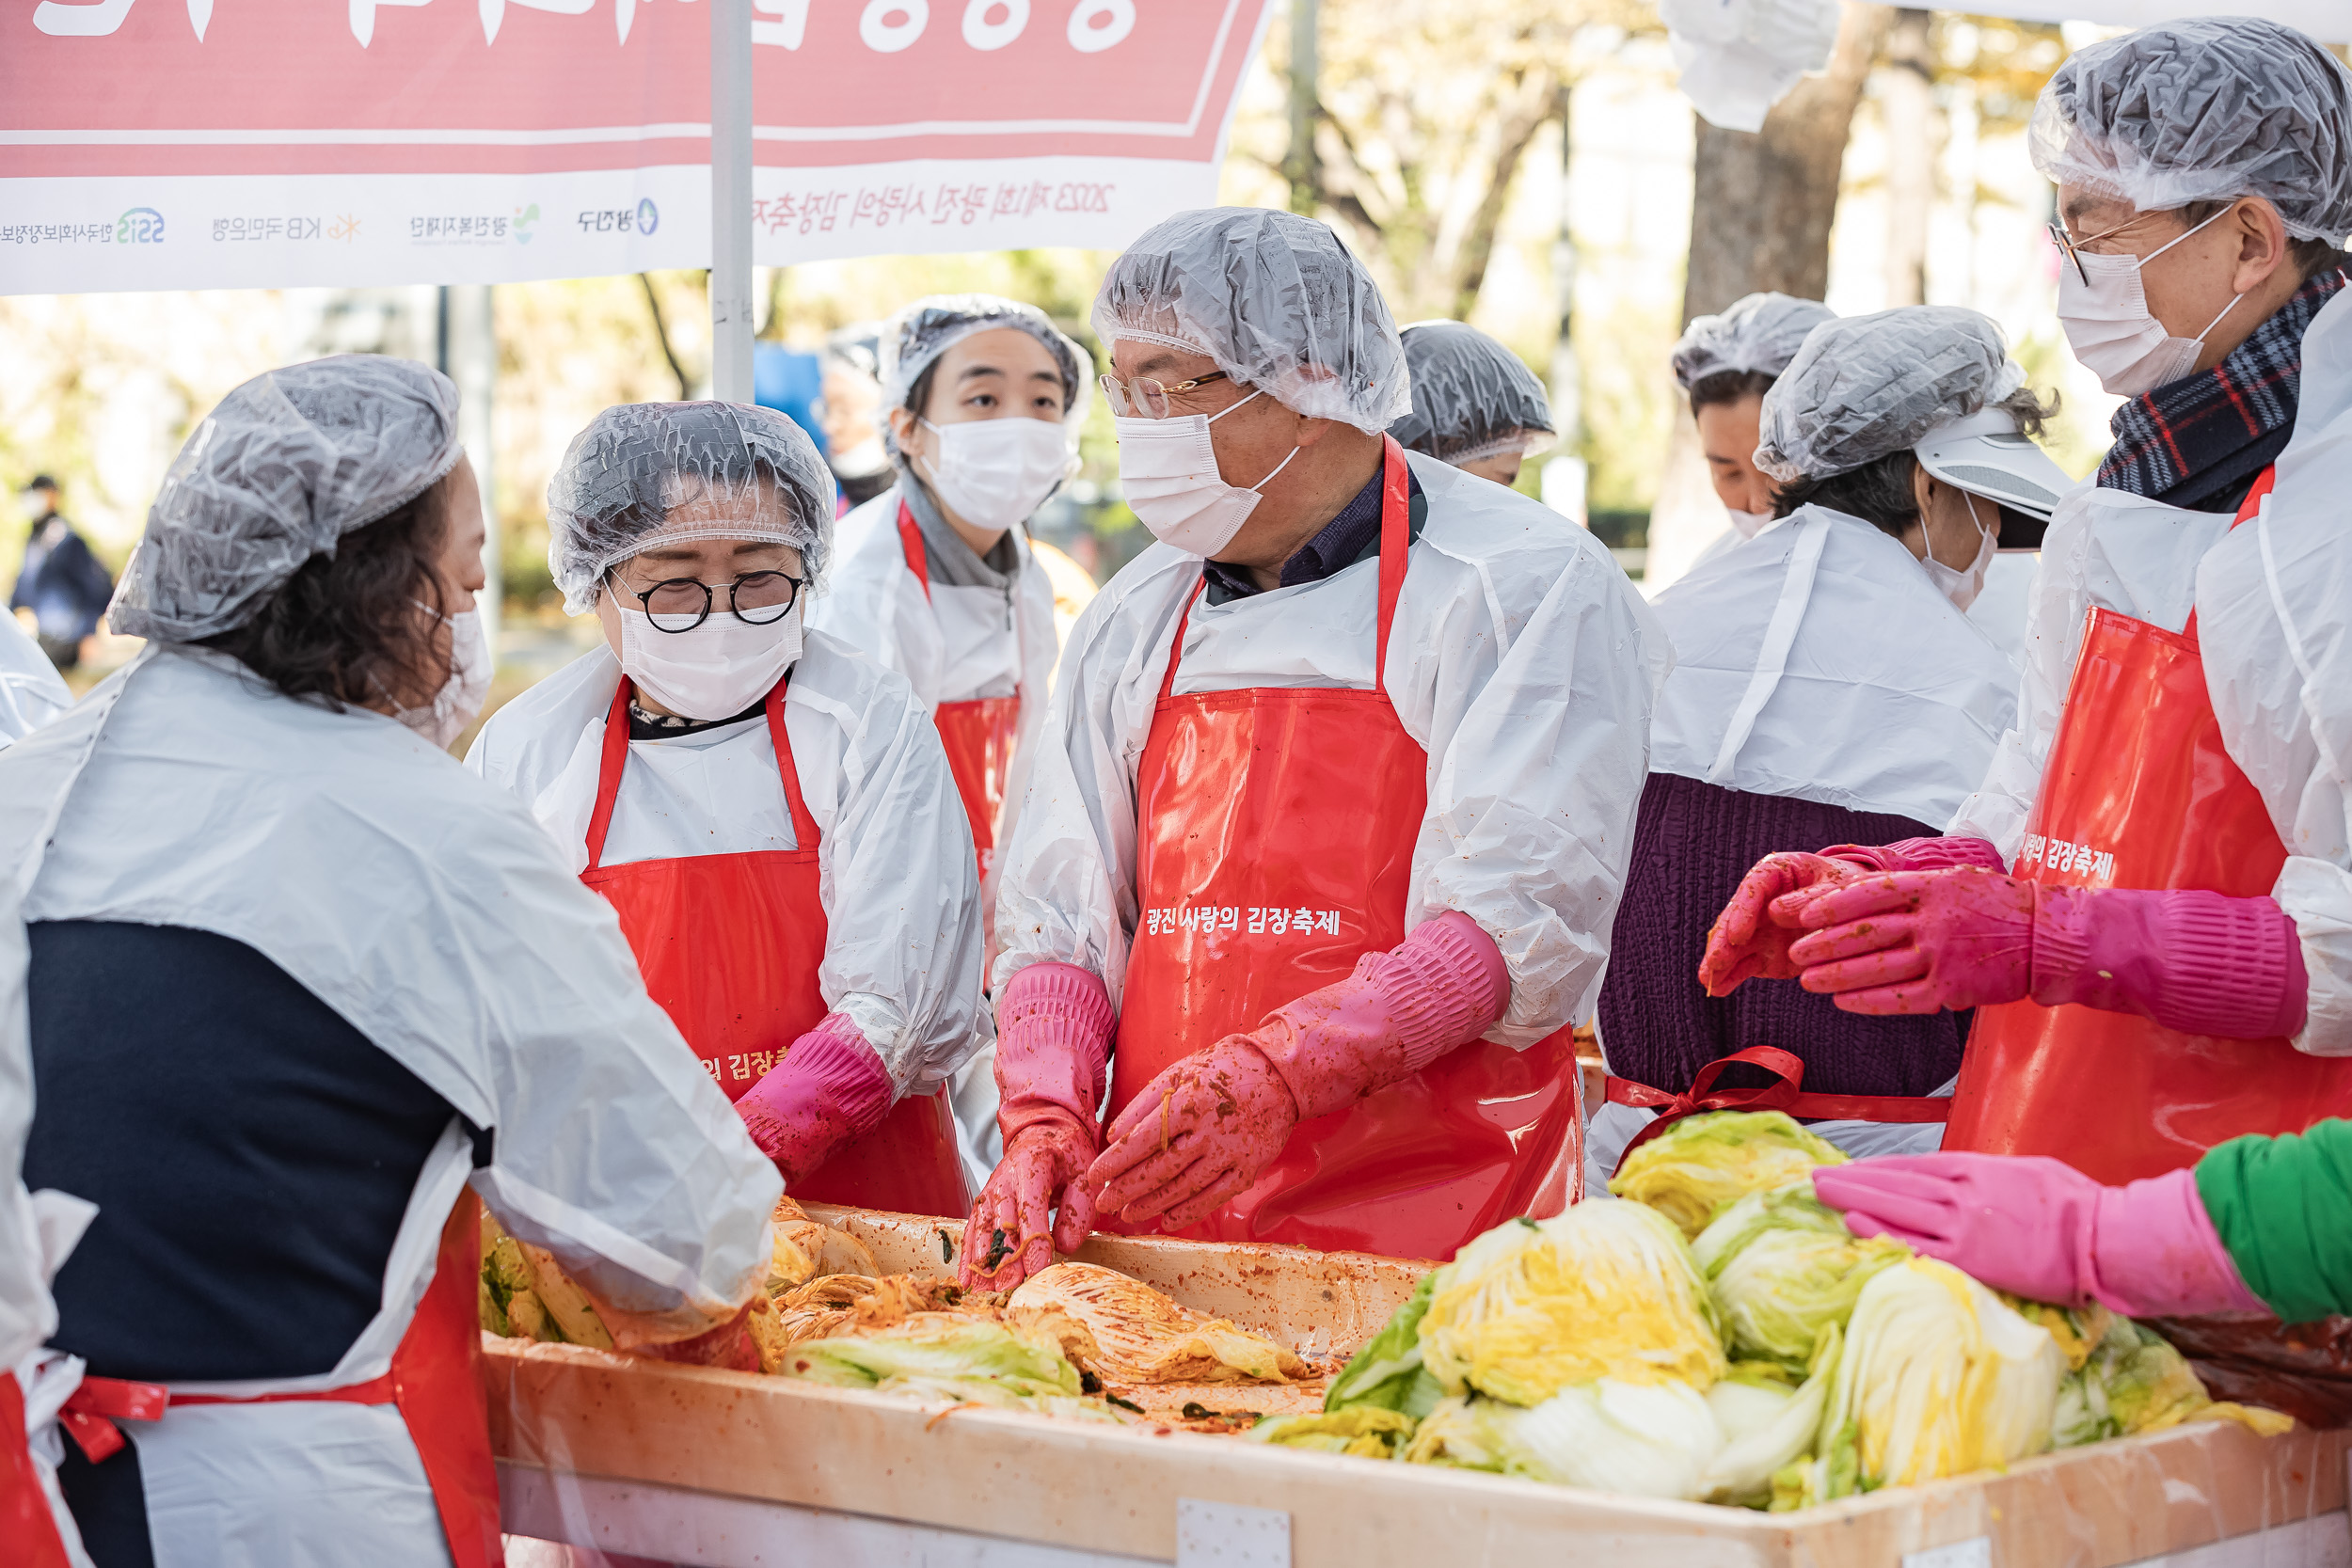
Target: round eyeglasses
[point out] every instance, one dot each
(1145, 399)
(681, 604)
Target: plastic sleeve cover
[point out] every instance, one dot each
(2282, 1207)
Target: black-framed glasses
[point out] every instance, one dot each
(1144, 398)
(681, 604)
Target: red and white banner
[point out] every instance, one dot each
(175, 144)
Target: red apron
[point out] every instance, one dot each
(434, 1381)
(729, 946)
(978, 734)
(25, 1521)
(1302, 807)
(2140, 792)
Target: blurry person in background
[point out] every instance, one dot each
(1828, 689)
(1475, 403)
(1725, 365)
(852, 419)
(61, 587)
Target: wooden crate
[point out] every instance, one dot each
(1114, 1492)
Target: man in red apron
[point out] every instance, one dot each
(1336, 795)
(2154, 975)
(771, 816)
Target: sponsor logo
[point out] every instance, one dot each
(461, 229)
(524, 218)
(235, 229)
(643, 218)
(139, 226)
(345, 228)
(57, 233)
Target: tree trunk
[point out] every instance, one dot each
(1761, 204)
(1909, 104)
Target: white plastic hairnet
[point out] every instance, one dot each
(1275, 299)
(2209, 109)
(1865, 386)
(912, 341)
(279, 471)
(742, 472)
(1472, 398)
(1759, 333)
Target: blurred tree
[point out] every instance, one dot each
(1763, 202)
(1425, 110)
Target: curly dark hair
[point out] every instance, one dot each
(1880, 491)
(343, 630)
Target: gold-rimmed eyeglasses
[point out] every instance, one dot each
(1145, 399)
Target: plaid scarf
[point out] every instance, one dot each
(2198, 442)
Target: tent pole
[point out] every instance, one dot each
(731, 302)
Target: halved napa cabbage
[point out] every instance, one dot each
(1703, 1164)
(1605, 1289)
(1785, 1271)
(1937, 1377)
(1649, 1440)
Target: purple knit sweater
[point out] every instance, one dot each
(1691, 844)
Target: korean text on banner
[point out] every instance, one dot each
(168, 144)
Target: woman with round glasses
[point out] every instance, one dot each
(770, 814)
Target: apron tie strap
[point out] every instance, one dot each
(91, 1410)
(1785, 1095)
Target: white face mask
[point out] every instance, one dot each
(715, 671)
(35, 505)
(2110, 330)
(1167, 471)
(1961, 587)
(993, 473)
(453, 707)
(1750, 524)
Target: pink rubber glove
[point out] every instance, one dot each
(1201, 1131)
(1745, 944)
(829, 1088)
(1914, 941)
(2043, 1231)
(1053, 1037)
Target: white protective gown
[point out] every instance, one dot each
(896, 871)
(1815, 661)
(2272, 620)
(430, 913)
(31, 690)
(1521, 659)
(953, 645)
(2273, 612)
